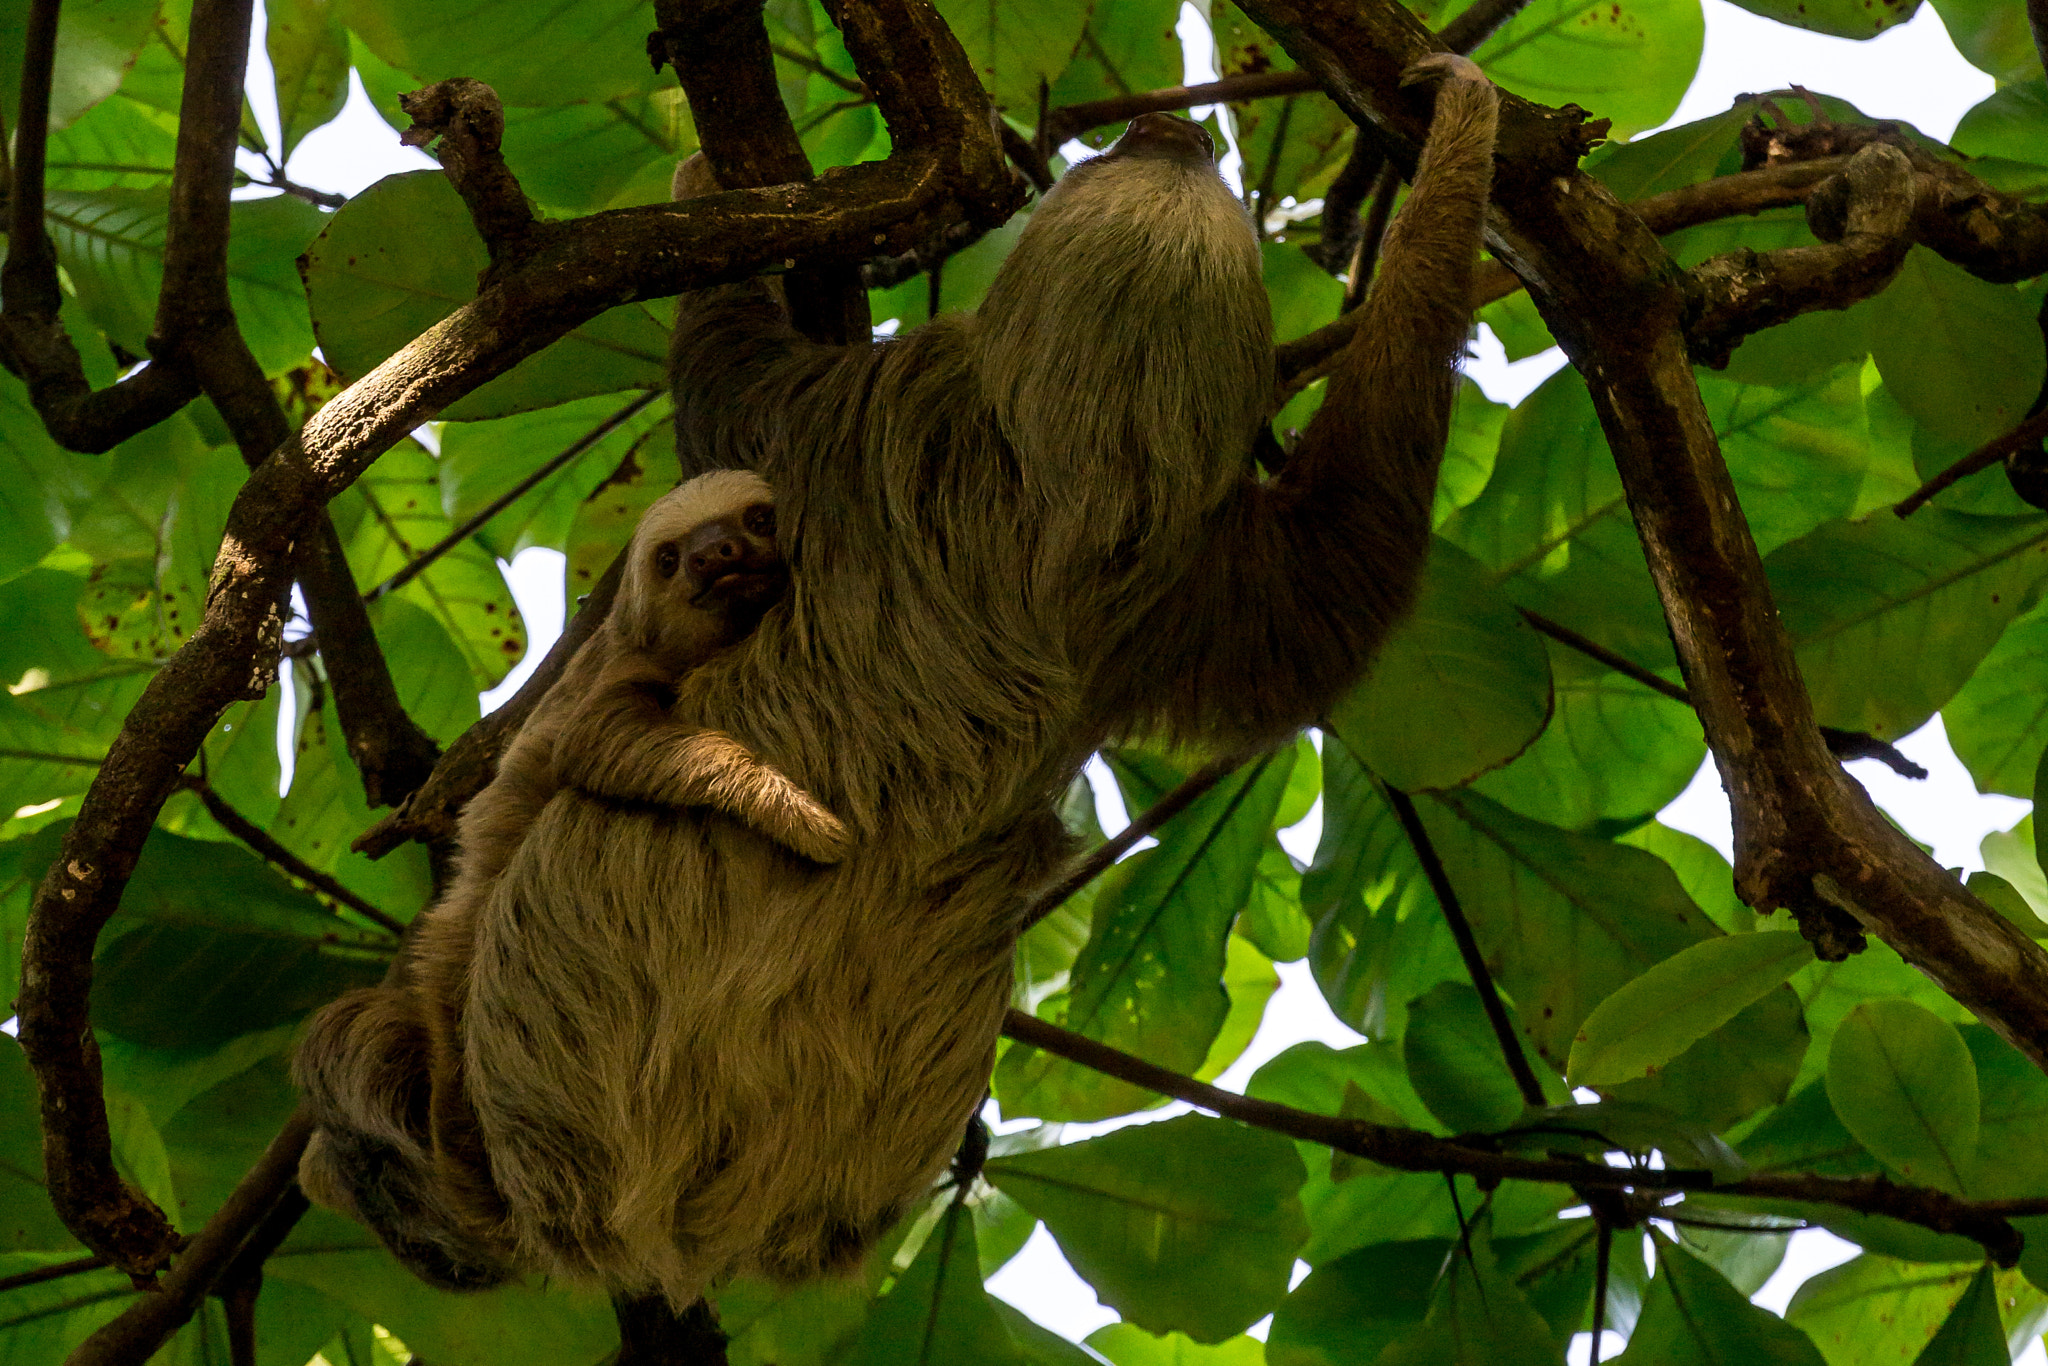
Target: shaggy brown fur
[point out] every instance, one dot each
(382, 1067)
(1012, 536)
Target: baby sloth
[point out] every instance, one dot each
(382, 1068)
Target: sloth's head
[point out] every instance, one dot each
(703, 566)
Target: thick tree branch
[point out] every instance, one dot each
(148, 1323)
(195, 325)
(1865, 214)
(722, 56)
(1411, 1150)
(1807, 836)
(33, 342)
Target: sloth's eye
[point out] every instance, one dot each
(760, 519)
(667, 559)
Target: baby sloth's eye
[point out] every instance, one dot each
(760, 519)
(667, 559)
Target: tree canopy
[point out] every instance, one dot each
(1786, 504)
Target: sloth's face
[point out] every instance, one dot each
(729, 563)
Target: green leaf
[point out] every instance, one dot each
(1629, 62)
(533, 56)
(1454, 1060)
(96, 42)
(1127, 1344)
(1128, 46)
(1463, 685)
(1614, 751)
(1350, 1309)
(1149, 980)
(435, 685)
(1998, 723)
(1014, 45)
(374, 284)
(389, 518)
(1476, 1315)
(308, 49)
(1188, 1225)
(1905, 1085)
(1681, 1000)
(482, 461)
(1249, 981)
(1941, 585)
(1853, 1308)
(1962, 355)
(2012, 122)
(937, 1313)
(1992, 35)
(1692, 1315)
(1837, 18)
(1971, 1335)
(120, 143)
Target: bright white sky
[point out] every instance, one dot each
(1911, 72)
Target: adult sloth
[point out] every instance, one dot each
(1011, 537)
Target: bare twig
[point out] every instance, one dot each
(1478, 22)
(56, 1272)
(1365, 253)
(1071, 120)
(1843, 744)
(1412, 1150)
(1468, 944)
(1993, 452)
(275, 854)
(418, 564)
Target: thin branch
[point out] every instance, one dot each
(275, 854)
(1864, 217)
(1365, 253)
(1411, 1150)
(1071, 120)
(1843, 744)
(1468, 944)
(150, 1321)
(1103, 856)
(1602, 1254)
(805, 60)
(1993, 452)
(416, 566)
(56, 1272)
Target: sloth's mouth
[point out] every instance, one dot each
(756, 587)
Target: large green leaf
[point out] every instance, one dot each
(1904, 1083)
(1998, 722)
(1693, 1315)
(1937, 588)
(1628, 62)
(1961, 354)
(937, 1313)
(529, 55)
(1476, 1315)
(1128, 1345)
(375, 283)
(2011, 123)
(1865, 1310)
(1149, 980)
(1455, 1063)
(1838, 18)
(1665, 1011)
(1461, 686)
(1350, 1309)
(1127, 46)
(308, 50)
(96, 42)
(1971, 1335)
(1992, 35)
(1015, 45)
(1189, 1225)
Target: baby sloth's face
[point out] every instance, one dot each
(730, 564)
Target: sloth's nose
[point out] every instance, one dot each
(714, 555)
